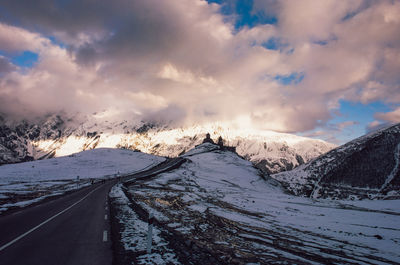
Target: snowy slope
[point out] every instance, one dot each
(218, 209)
(24, 183)
(365, 167)
(56, 136)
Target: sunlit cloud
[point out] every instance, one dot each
(186, 61)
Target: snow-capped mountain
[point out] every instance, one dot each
(57, 136)
(365, 167)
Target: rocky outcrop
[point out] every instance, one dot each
(365, 167)
(16, 139)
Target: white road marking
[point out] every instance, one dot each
(45, 222)
(105, 236)
(106, 208)
(105, 217)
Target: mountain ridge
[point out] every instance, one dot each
(58, 136)
(365, 167)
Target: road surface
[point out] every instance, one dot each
(71, 230)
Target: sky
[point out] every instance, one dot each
(324, 69)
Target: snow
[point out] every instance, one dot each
(279, 149)
(206, 147)
(134, 233)
(95, 163)
(30, 182)
(264, 222)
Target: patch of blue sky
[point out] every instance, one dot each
(56, 42)
(290, 51)
(26, 59)
(244, 13)
(321, 42)
(274, 44)
(324, 42)
(348, 122)
(292, 79)
(354, 13)
(356, 111)
(363, 114)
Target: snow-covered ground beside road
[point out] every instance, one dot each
(221, 205)
(25, 183)
(134, 233)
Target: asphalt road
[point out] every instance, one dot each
(72, 229)
(158, 169)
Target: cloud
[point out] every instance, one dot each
(316, 134)
(15, 39)
(346, 124)
(337, 133)
(392, 117)
(6, 66)
(183, 61)
(377, 125)
(169, 115)
(384, 119)
(317, 20)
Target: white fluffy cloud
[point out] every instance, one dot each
(183, 61)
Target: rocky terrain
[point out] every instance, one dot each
(217, 208)
(367, 167)
(57, 135)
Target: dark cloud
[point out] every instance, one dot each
(50, 16)
(115, 30)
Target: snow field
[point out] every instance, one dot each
(26, 183)
(220, 202)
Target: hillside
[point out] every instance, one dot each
(217, 208)
(365, 167)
